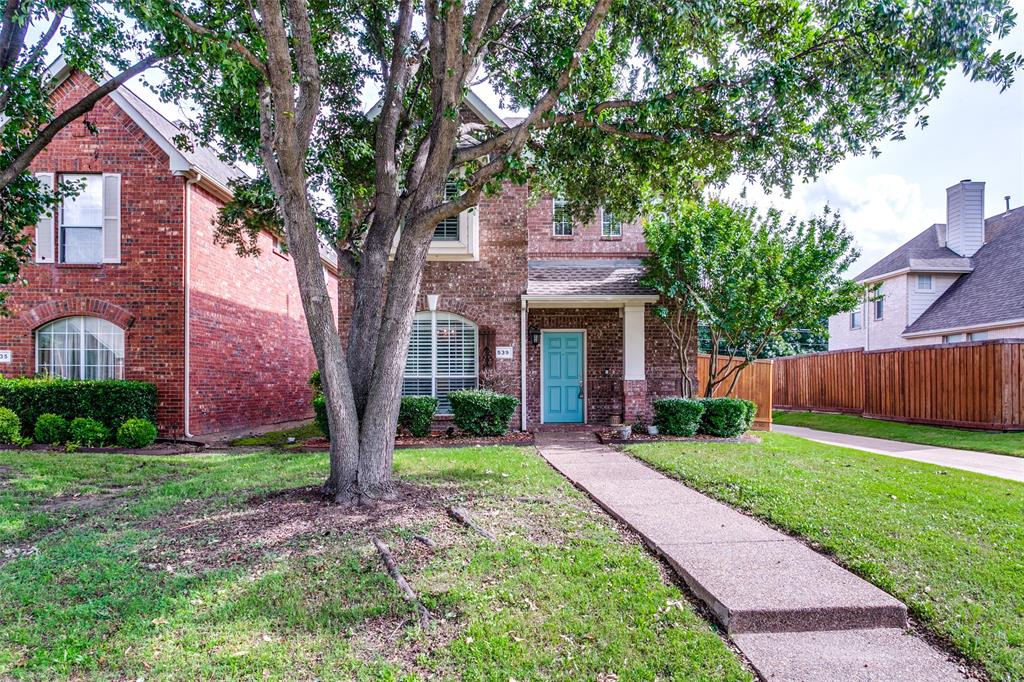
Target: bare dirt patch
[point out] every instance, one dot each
(197, 538)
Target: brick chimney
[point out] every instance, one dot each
(965, 217)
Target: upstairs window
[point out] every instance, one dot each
(442, 357)
(80, 348)
(610, 225)
(977, 336)
(855, 319)
(879, 308)
(561, 221)
(924, 282)
(954, 338)
(81, 221)
(448, 229)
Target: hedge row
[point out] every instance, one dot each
(111, 402)
(477, 412)
(719, 417)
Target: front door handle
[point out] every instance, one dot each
(581, 391)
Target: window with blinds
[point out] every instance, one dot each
(448, 229)
(442, 357)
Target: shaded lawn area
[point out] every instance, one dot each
(231, 567)
(948, 543)
(1011, 443)
(279, 439)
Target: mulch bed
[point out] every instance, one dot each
(160, 447)
(435, 440)
(612, 438)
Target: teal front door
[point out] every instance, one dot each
(562, 380)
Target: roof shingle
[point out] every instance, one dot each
(595, 278)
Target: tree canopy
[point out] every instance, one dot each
(623, 102)
(750, 279)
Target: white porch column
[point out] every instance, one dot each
(634, 359)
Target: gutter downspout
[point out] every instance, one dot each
(190, 180)
(522, 365)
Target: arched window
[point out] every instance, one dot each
(442, 357)
(80, 348)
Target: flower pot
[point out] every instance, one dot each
(625, 432)
(615, 420)
(652, 430)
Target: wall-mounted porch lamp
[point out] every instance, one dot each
(534, 336)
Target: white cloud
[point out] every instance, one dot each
(881, 211)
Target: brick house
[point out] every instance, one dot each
(517, 297)
(127, 281)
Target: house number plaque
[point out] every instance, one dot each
(503, 352)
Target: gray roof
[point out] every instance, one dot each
(201, 157)
(994, 291)
(926, 250)
(587, 278)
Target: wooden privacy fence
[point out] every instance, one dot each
(755, 383)
(975, 385)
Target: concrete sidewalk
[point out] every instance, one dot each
(1000, 466)
(794, 613)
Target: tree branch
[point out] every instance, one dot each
(234, 43)
(82, 106)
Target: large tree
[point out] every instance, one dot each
(748, 278)
(92, 38)
(622, 100)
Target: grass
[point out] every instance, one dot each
(277, 439)
(207, 567)
(984, 441)
(948, 543)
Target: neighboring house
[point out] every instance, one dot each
(955, 282)
(127, 281)
(517, 297)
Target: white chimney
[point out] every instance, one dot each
(965, 217)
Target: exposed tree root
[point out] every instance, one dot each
(407, 592)
(462, 516)
(425, 540)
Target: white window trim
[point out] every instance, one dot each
(617, 221)
(852, 318)
(467, 246)
(81, 347)
(874, 309)
(919, 289)
(433, 352)
(554, 209)
(106, 221)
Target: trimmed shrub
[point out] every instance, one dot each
(482, 412)
(751, 412)
(51, 429)
(677, 416)
(724, 417)
(10, 427)
(416, 413)
(111, 402)
(314, 381)
(320, 415)
(88, 432)
(136, 433)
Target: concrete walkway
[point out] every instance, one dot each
(1000, 466)
(795, 614)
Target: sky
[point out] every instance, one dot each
(974, 131)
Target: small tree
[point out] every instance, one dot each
(749, 278)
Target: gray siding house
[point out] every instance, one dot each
(958, 281)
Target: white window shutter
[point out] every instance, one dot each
(111, 218)
(44, 228)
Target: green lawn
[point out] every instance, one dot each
(949, 543)
(984, 441)
(229, 567)
(278, 439)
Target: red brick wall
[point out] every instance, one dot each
(144, 293)
(662, 367)
(586, 240)
(603, 359)
(250, 354)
